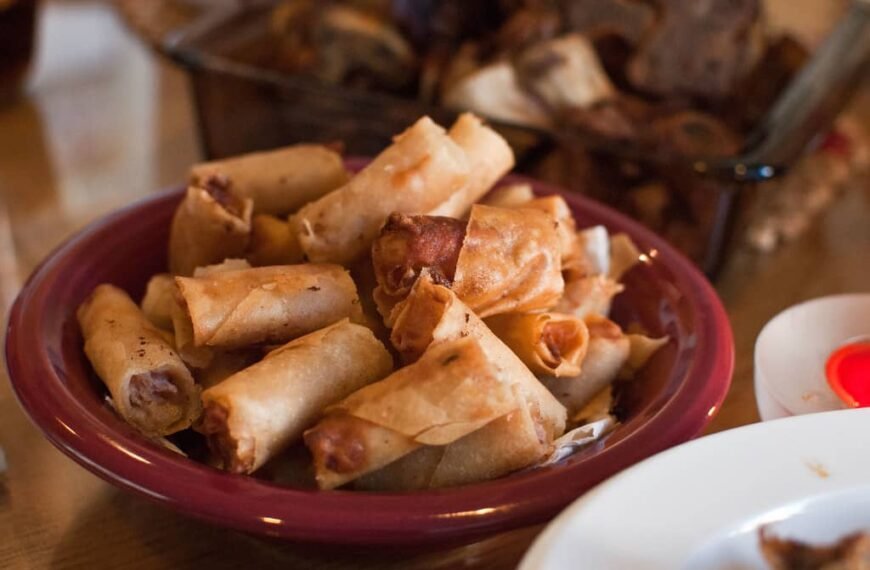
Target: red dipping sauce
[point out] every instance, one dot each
(848, 372)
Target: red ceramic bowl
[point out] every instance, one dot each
(675, 397)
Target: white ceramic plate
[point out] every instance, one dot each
(700, 505)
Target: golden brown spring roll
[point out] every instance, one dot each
(273, 242)
(451, 391)
(587, 296)
(608, 352)
(552, 344)
(510, 196)
(506, 444)
(489, 158)
(589, 255)
(158, 300)
(267, 305)
(256, 413)
(505, 260)
(558, 210)
(211, 224)
(433, 313)
(420, 170)
(149, 384)
(279, 181)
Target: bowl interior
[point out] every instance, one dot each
(671, 400)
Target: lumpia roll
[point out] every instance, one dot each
(149, 384)
(433, 314)
(510, 261)
(507, 444)
(552, 344)
(504, 260)
(509, 196)
(590, 254)
(420, 170)
(267, 305)
(273, 242)
(608, 352)
(451, 391)
(279, 181)
(587, 296)
(256, 413)
(211, 224)
(489, 158)
(158, 300)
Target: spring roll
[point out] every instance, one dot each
(502, 260)
(433, 313)
(266, 305)
(256, 413)
(507, 444)
(150, 386)
(454, 389)
(211, 224)
(158, 300)
(489, 158)
(558, 210)
(279, 181)
(420, 170)
(273, 242)
(608, 352)
(551, 344)
(590, 254)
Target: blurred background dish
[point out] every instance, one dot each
(802, 478)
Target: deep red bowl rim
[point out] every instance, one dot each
(431, 517)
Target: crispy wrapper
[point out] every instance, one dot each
(256, 413)
(433, 313)
(552, 344)
(510, 196)
(507, 444)
(279, 181)
(273, 242)
(196, 357)
(589, 254)
(624, 255)
(267, 305)
(158, 300)
(489, 158)
(607, 354)
(557, 208)
(210, 225)
(509, 262)
(587, 296)
(419, 171)
(150, 386)
(452, 390)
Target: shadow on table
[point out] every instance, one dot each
(119, 530)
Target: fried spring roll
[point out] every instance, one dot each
(266, 305)
(552, 344)
(421, 169)
(149, 384)
(273, 242)
(256, 413)
(590, 254)
(557, 209)
(508, 260)
(489, 158)
(211, 224)
(608, 352)
(454, 389)
(279, 181)
(587, 296)
(158, 300)
(433, 314)
(507, 444)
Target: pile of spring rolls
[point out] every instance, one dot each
(409, 327)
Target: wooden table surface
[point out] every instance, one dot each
(105, 123)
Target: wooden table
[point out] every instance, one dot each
(105, 123)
